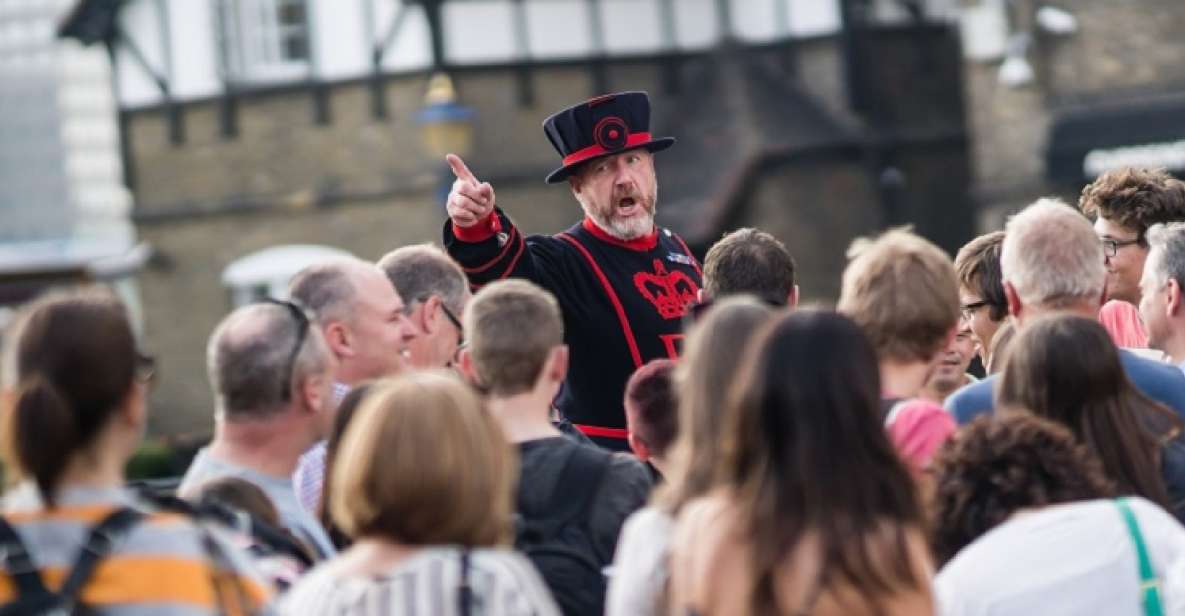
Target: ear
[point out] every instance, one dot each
(339, 338)
(638, 447)
(429, 315)
(1015, 307)
(313, 394)
(1173, 299)
(792, 299)
(556, 367)
(699, 296)
(466, 368)
(134, 410)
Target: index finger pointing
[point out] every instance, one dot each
(460, 169)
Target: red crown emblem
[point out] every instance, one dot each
(670, 292)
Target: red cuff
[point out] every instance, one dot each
(480, 232)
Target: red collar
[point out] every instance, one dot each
(645, 243)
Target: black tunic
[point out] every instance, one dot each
(622, 302)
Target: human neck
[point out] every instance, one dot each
(1174, 347)
(526, 416)
(100, 466)
(370, 556)
(1080, 307)
(902, 379)
(267, 445)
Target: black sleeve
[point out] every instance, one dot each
(625, 489)
(495, 248)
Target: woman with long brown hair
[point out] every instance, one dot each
(814, 512)
(715, 346)
(1066, 368)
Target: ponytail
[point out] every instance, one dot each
(44, 434)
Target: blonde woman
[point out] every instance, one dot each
(423, 484)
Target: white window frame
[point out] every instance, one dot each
(253, 41)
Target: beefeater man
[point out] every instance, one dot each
(623, 283)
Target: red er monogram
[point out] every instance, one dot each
(670, 292)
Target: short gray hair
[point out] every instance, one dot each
(247, 360)
(421, 271)
(1051, 255)
(327, 288)
(1167, 240)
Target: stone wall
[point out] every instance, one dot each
(1123, 51)
(184, 298)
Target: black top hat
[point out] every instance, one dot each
(599, 127)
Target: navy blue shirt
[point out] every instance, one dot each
(1162, 382)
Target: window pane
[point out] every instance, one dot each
(296, 48)
(292, 12)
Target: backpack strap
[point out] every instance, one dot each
(242, 521)
(99, 544)
(18, 563)
(1149, 583)
(578, 483)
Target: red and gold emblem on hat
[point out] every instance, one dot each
(611, 133)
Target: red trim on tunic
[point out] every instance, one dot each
(625, 323)
(598, 431)
(481, 231)
(645, 243)
(522, 247)
(491, 263)
(593, 151)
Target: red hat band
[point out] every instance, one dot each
(632, 140)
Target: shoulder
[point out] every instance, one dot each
(919, 428)
(971, 399)
(648, 521)
(1143, 367)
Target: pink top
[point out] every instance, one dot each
(918, 428)
(1122, 321)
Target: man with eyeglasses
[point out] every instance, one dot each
(1124, 203)
(435, 291)
(272, 375)
(981, 290)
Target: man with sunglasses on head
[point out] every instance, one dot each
(272, 376)
(364, 322)
(435, 291)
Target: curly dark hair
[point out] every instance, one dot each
(998, 465)
(1135, 198)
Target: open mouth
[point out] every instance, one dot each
(628, 206)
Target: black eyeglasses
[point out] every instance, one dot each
(969, 309)
(1111, 247)
(302, 330)
(461, 342)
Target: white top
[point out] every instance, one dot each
(640, 572)
(1067, 560)
(428, 583)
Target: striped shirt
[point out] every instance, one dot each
(159, 567)
(309, 478)
(503, 582)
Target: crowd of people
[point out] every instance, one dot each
(592, 423)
